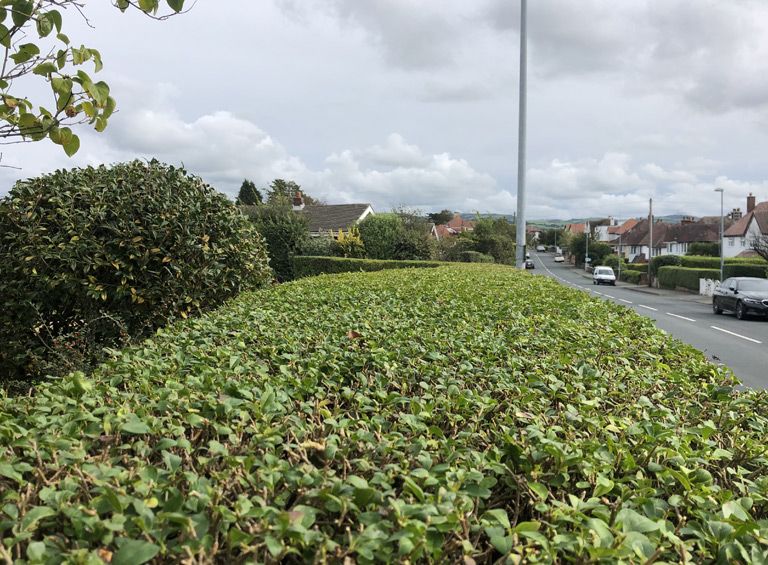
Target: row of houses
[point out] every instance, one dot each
(632, 238)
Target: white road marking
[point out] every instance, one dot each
(599, 293)
(735, 334)
(681, 317)
(648, 307)
(609, 296)
(627, 301)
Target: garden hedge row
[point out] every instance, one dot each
(684, 277)
(744, 270)
(430, 415)
(475, 257)
(307, 266)
(631, 276)
(704, 262)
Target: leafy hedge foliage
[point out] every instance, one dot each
(665, 261)
(475, 257)
(631, 276)
(701, 262)
(306, 266)
(423, 415)
(91, 257)
(684, 277)
(707, 249)
(745, 271)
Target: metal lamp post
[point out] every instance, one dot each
(722, 250)
(586, 253)
(520, 220)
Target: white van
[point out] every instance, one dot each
(603, 275)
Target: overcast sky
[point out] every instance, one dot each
(403, 103)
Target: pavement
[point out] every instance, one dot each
(737, 344)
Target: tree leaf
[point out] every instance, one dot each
(135, 552)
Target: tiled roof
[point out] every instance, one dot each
(460, 224)
(623, 228)
(664, 232)
(333, 217)
(760, 213)
(575, 228)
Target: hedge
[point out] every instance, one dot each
(703, 262)
(475, 257)
(463, 414)
(664, 261)
(684, 277)
(758, 271)
(631, 276)
(307, 266)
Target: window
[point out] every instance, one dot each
(731, 241)
(743, 241)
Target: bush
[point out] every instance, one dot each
(612, 261)
(349, 244)
(419, 416)
(319, 246)
(381, 234)
(698, 262)
(632, 276)
(284, 231)
(685, 277)
(664, 261)
(451, 249)
(305, 266)
(706, 249)
(95, 256)
(742, 270)
(475, 257)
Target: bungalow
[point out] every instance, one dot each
(330, 218)
(669, 239)
(739, 238)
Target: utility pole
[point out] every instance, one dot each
(722, 250)
(586, 253)
(521, 140)
(650, 238)
(621, 256)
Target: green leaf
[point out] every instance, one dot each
(135, 552)
(7, 470)
(71, 146)
(603, 486)
(631, 521)
(25, 52)
(36, 551)
(21, 11)
(45, 68)
(176, 5)
(500, 516)
(135, 426)
(33, 516)
(734, 509)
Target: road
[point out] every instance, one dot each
(738, 344)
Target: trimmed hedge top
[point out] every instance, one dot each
(308, 266)
(420, 415)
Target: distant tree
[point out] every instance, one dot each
(381, 234)
(577, 246)
(552, 237)
(441, 217)
(281, 191)
(249, 195)
(495, 237)
(760, 246)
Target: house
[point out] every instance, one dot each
(575, 228)
(454, 227)
(330, 218)
(738, 239)
(668, 239)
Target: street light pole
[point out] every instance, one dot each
(586, 254)
(520, 223)
(650, 238)
(621, 255)
(722, 250)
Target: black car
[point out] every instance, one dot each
(529, 264)
(742, 296)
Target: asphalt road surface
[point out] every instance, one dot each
(741, 345)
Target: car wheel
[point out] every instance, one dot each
(716, 309)
(613, 283)
(741, 312)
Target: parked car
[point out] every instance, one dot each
(742, 296)
(559, 259)
(529, 264)
(540, 248)
(603, 275)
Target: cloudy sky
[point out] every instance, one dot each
(403, 103)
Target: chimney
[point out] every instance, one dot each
(735, 214)
(298, 201)
(750, 203)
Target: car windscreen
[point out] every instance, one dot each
(755, 286)
(600, 271)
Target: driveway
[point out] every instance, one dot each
(740, 345)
